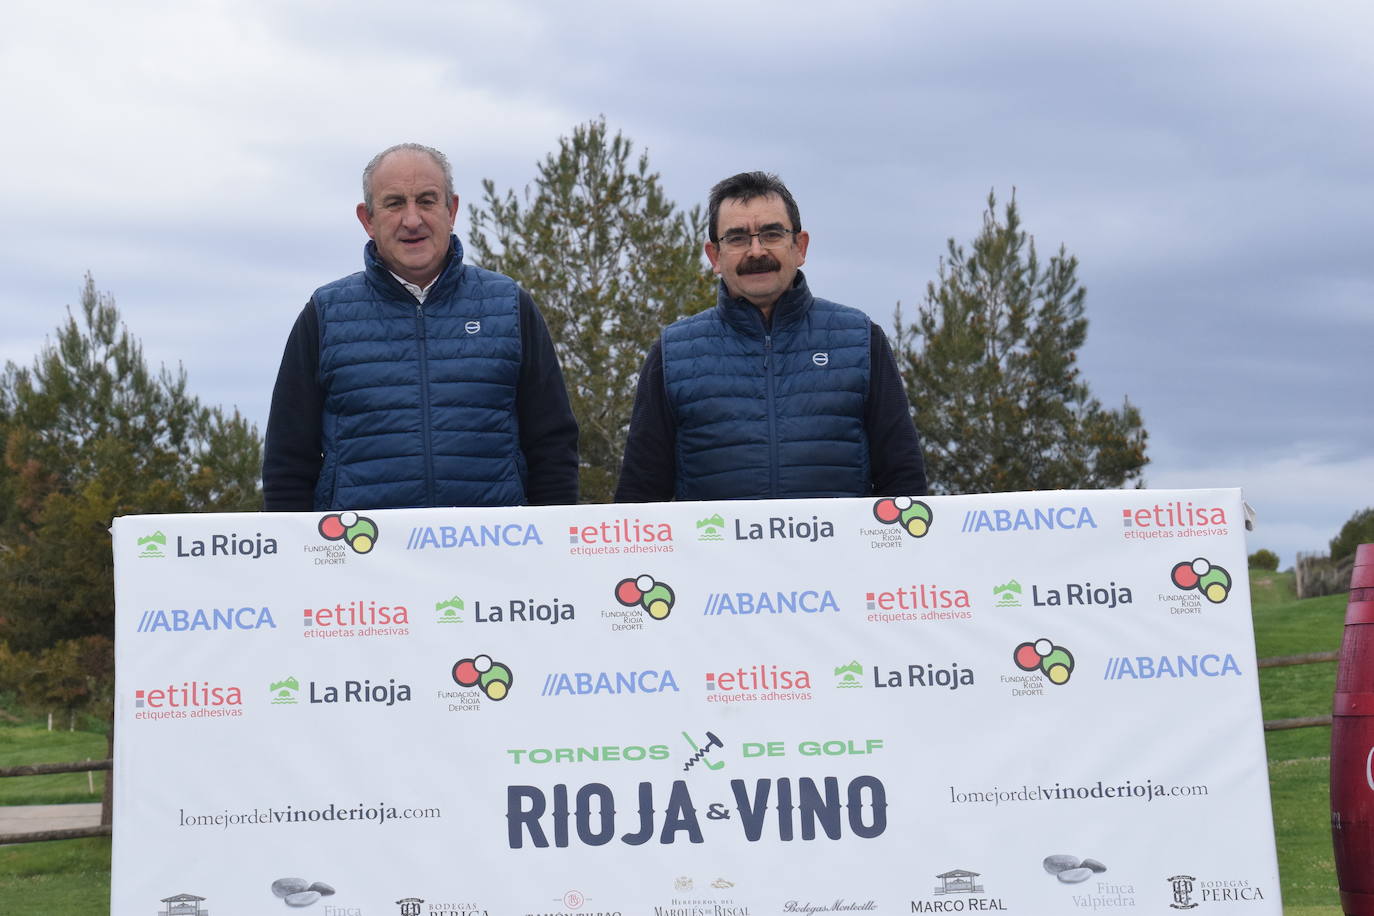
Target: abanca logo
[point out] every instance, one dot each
(1051, 519)
(179, 620)
(448, 537)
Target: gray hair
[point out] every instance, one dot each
(439, 159)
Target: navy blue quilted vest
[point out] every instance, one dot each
(420, 402)
(770, 413)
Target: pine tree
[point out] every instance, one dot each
(991, 369)
(609, 261)
(90, 433)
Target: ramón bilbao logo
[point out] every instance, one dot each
(645, 592)
(1203, 576)
(357, 531)
(911, 515)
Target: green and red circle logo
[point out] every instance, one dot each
(656, 598)
(1200, 575)
(912, 515)
(355, 530)
(491, 677)
(1042, 655)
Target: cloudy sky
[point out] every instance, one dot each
(1209, 165)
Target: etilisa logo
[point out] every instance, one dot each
(152, 546)
(454, 537)
(1044, 657)
(1002, 521)
(1213, 582)
(189, 699)
(206, 620)
(620, 536)
(1170, 667)
(357, 531)
(771, 604)
(1177, 519)
(758, 683)
(918, 602)
(609, 683)
(359, 618)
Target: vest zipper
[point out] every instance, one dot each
(773, 483)
(424, 403)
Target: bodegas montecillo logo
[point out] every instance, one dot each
(645, 592)
(1201, 575)
(911, 515)
(357, 531)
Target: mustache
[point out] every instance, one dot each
(758, 265)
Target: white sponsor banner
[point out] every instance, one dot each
(1037, 703)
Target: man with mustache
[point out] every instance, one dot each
(420, 381)
(773, 393)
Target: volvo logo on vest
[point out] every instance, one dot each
(472, 327)
(820, 359)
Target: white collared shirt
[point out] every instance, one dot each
(414, 290)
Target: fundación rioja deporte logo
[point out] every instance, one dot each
(1042, 655)
(491, 677)
(911, 515)
(1200, 575)
(357, 531)
(654, 597)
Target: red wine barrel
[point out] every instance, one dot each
(1352, 745)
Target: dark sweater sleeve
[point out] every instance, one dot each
(548, 430)
(291, 456)
(898, 467)
(647, 473)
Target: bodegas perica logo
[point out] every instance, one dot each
(911, 515)
(357, 531)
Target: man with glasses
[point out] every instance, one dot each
(773, 393)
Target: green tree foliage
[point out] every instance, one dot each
(609, 260)
(1358, 530)
(89, 432)
(1264, 559)
(991, 368)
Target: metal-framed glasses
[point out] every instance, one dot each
(768, 238)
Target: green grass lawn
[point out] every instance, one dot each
(73, 876)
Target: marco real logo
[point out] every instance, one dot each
(620, 536)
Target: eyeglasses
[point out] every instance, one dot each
(768, 238)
